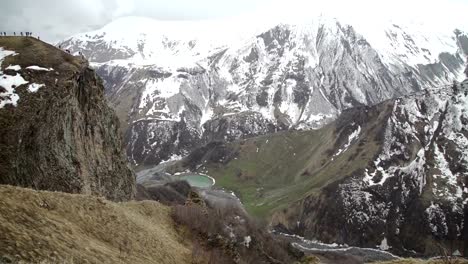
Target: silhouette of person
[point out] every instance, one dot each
(21, 33)
(14, 33)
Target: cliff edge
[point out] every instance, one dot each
(56, 131)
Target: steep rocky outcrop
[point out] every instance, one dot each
(56, 131)
(174, 92)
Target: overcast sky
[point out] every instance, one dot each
(57, 19)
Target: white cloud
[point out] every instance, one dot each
(124, 7)
(57, 19)
(435, 13)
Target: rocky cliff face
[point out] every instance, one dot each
(174, 93)
(56, 130)
(415, 189)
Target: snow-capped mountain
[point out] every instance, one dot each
(175, 88)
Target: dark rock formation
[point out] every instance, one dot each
(62, 137)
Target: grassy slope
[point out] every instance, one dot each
(290, 166)
(31, 50)
(67, 228)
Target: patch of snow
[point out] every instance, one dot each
(164, 88)
(9, 96)
(174, 157)
(447, 176)
(384, 245)
(13, 67)
(38, 68)
(206, 115)
(437, 219)
(319, 117)
(33, 87)
(247, 240)
(10, 83)
(352, 137)
(288, 105)
(4, 53)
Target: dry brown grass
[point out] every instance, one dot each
(48, 227)
(220, 244)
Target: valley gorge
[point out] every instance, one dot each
(149, 141)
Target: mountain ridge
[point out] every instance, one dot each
(286, 77)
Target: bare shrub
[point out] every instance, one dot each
(224, 231)
(196, 218)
